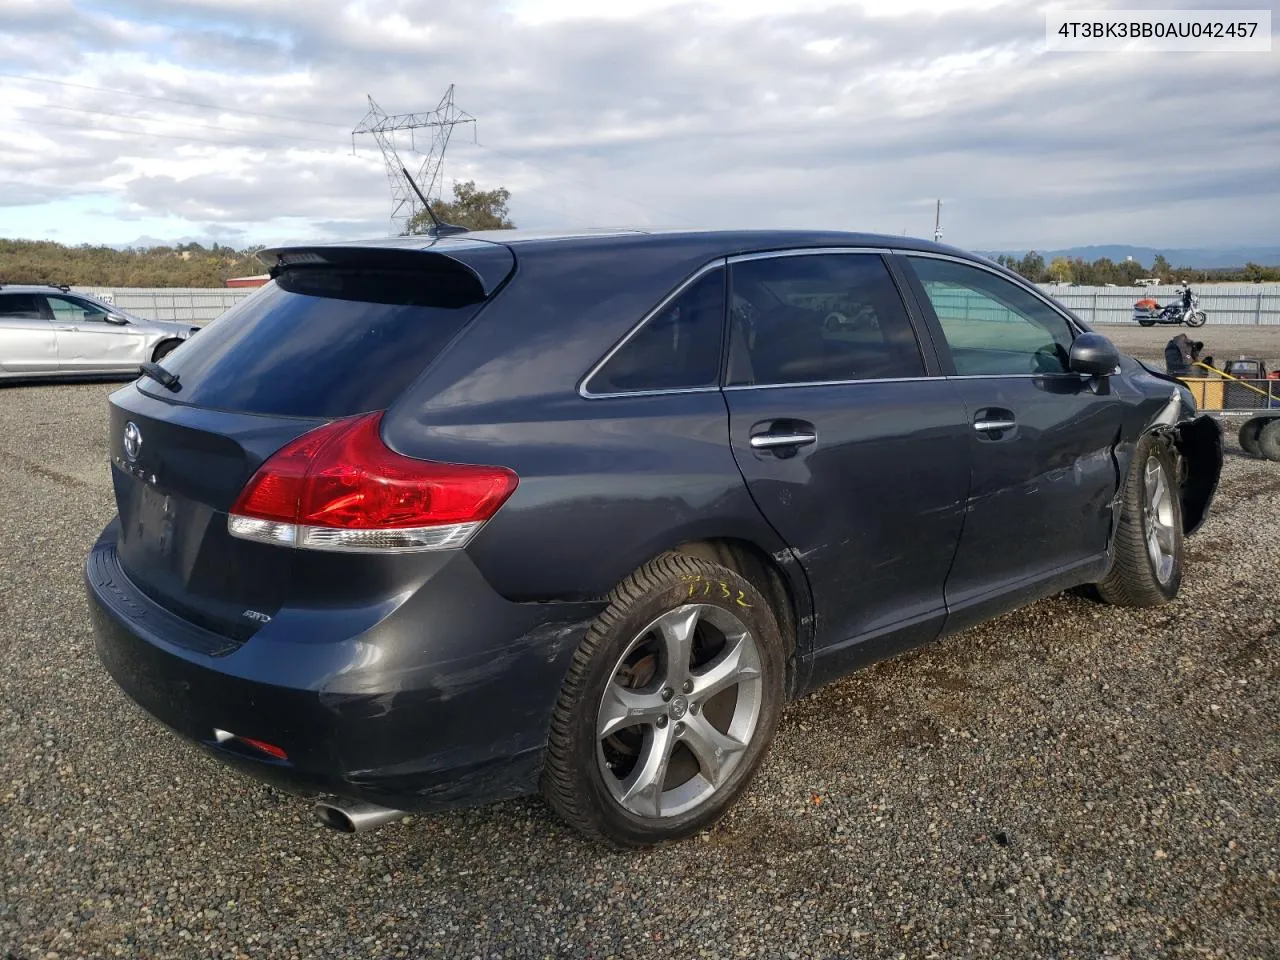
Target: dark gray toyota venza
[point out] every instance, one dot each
(438, 521)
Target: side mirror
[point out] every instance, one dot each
(115, 318)
(1094, 355)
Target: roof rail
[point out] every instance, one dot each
(65, 288)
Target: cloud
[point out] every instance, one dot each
(707, 112)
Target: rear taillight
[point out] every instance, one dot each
(339, 487)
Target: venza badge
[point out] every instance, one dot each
(132, 440)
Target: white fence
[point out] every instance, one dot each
(195, 304)
(1250, 304)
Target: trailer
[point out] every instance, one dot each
(1243, 389)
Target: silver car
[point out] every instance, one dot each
(48, 331)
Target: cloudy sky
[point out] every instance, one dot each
(231, 119)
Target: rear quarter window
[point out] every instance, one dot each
(677, 348)
(322, 342)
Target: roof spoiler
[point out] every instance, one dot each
(485, 267)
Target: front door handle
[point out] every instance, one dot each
(991, 423)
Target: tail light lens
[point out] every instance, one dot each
(339, 487)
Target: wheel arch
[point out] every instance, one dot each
(171, 342)
(782, 584)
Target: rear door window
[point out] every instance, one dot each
(678, 348)
(20, 306)
(819, 318)
(323, 342)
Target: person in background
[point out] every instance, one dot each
(1180, 353)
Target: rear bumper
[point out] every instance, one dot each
(439, 699)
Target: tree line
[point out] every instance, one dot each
(195, 265)
(1104, 270)
(182, 265)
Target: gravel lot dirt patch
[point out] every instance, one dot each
(1068, 781)
(1221, 342)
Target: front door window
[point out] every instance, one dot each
(993, 326)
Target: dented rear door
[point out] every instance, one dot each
(852, 449)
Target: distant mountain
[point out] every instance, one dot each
(1205, 258)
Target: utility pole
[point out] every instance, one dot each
(405, 198)
(937, 222)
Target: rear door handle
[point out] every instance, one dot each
(782, 437)
(769, 441)
(983, 426)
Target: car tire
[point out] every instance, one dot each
(643, 748)
(1248, 436)
(1269, 440)
(164, 349)
(1147, 551)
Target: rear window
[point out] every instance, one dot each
(323, 342)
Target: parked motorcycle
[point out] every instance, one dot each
(1148, 313)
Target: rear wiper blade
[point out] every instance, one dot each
(160, 375)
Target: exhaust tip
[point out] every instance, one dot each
(355, 817)
(335, 818)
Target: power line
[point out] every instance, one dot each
(188, 123)
(647, 207)
(129, 133)
(185, 103)
(220, 143)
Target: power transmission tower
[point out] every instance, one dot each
(386, 130)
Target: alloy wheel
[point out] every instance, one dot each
(679, 712)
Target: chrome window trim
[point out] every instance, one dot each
(1017, 376)
(824, 383)
(979, 265)
(583, 384)
(804, 252)
(850, 383)
(665, 392)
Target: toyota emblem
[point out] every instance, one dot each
(132, 440)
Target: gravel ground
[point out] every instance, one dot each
(1068, 781)
(1221, 342)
